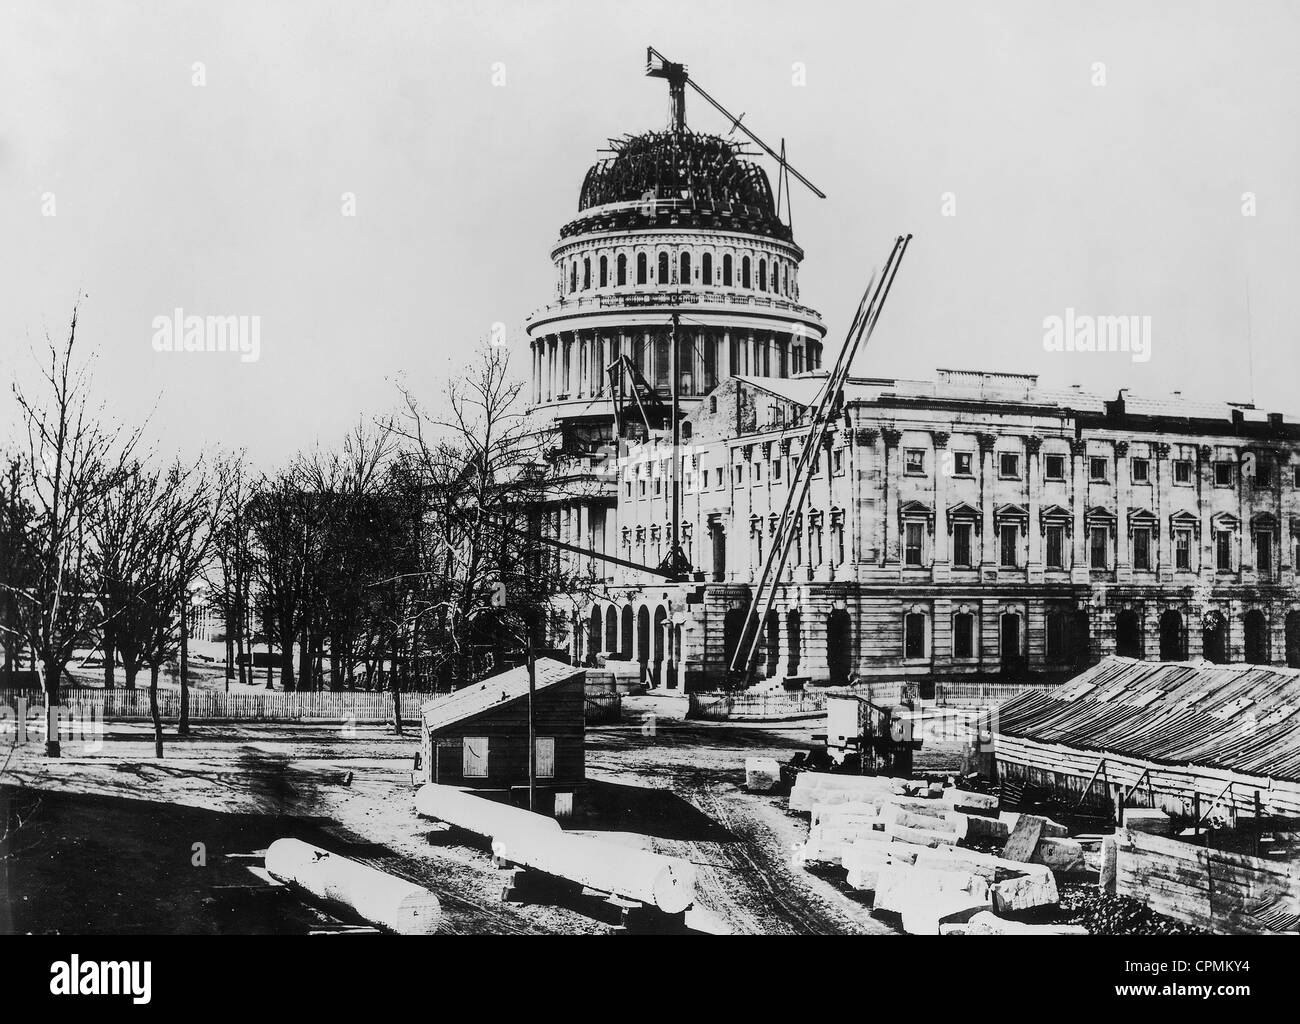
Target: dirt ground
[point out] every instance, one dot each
(105, 842)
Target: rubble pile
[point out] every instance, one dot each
(921, 849)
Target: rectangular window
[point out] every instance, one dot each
(1183, 471)
(1223, 474)
(1223, 550)
(776, 469)
(474, 757)
(1264, 553)
(1054, 467)
(1097, 470)
(1009, 465)
(914, 462)
(717, 477)
(837, 461)
(1263, 473)
(758, 472)
(912, 545)
(962, 463)
(1183, 549)
(1008, 535)
(1141, 471)
(1142, 549)
(739, 474)
(963, 635)
(914, 635)
(641, 489)
(1097, 547)
(961, 548)
(1056, 547)
(544, 756)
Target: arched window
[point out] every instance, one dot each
(663, 268)
(785, 281)
(762, 275)
(573, 276)
(604, 271)
(640, 268)
(586, 273)
(706, 268)
(684, 271)
(622, 270)
(744, 272)
(726, 270)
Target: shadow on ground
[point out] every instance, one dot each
(613, 807)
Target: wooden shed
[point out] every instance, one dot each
(477, 737)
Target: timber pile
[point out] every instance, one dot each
(911, 846)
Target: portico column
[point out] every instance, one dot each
(941, 567)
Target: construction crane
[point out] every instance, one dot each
(827, 407)
(659, 66)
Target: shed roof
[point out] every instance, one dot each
(1240, 718)
(494, 692)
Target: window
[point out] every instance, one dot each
(776, 469)
(1057, 636)
(1056, 547)
(1097, 547)
(717, 477)
(1009, 465)
(663, 268)
(1223, 474)
(963, 635)
(837, 461)
(1054, 467)
(1223, 550)
(604, 271)
(1183, 471)
(914, 462)
(1142, 549)
(740, 475)
(684, 270)
(1263, 473)
(474, 757)
(1008, 536)
(640, 268)
(641, 489)
(912, 544)
(961, 547)
(544, 756)
(573, 276)
(758, 472)
(762, 275)
(1097, 470)
(706, 268)
(962, 463)
(1264, 553)
(744, 272)
(1183, 549)
(914, 635)
(726, 270)
(622, 270)
(1295, 478)
(628, 488)
(1141, 470)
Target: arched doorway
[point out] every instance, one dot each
(1214, 638)
(1009, 639)
(1128, 634)
(611, 630)
(1255, 629)
(643, 639)
(839, 646)
(629, 633)
(1172, 647)
(593, 634)
(793, 640)
(661, 641)
(733, 625)
(1079, 637)
(1293, 639)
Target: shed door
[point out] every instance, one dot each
(545, 757)
(474, 759)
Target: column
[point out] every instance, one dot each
(942, 565)
(1164, 535)
(1079, 508)
(1123, 561)
(988, 542)
(890, 553)
(1033, 444)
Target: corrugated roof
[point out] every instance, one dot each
(494, 692)
(1240, 718)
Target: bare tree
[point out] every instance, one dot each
(229, 575)
(68, 461)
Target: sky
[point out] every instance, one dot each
(1136, 158)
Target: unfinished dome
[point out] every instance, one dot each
(677, 179)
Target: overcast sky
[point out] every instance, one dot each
(226, 198)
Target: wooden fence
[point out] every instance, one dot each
(1213, 889)
(123, 705)
(780, 704)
